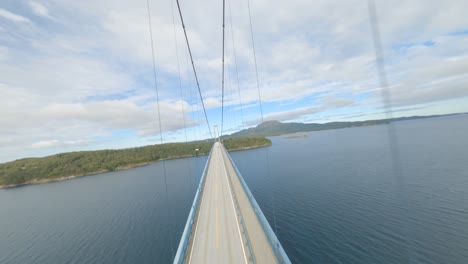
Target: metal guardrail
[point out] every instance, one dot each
(274, 242)
(239, 214)
(184, 241)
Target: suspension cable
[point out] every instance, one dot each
(189, 167)
(160, 123)
(178, 70)
(193, 66)
(222, 82)
(255, 61)
(392, 135)
(235, 63)
(267, 156)
(379, 59)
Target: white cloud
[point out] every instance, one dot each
(91, 76)
(293, 114)
(323, 104)
(13, 17)
(121, 115)
(57, 143)
(39, 9)
(211, 102)
(332, 101)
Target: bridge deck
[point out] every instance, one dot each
(226, 229)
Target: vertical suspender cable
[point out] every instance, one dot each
(222, 81)
(235, 63)
(160, 125)
(178, 70)
(392, 136)
(192, 182)
(255, 61)
(379, 59)
(193, 67)
(267, 156)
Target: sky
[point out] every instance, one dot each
(77, 75)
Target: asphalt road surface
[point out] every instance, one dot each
(217, 236)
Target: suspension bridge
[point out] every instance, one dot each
(225, 223)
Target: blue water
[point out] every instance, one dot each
(333, 197)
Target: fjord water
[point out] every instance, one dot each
(333, 197)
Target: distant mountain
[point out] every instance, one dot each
(275, 128)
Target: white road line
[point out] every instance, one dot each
(234, 208)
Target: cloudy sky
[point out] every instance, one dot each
(77, 75)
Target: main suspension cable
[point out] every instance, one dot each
(189, 167)
(193, 67)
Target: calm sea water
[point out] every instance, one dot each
(333, 197)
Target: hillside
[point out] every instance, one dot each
(72, 164)
(275, 128)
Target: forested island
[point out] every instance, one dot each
(73, 164)
(276, 128)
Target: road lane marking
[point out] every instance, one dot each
(234, 208)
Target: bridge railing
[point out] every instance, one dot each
(240, 216)
(184, 241)
(271, 236)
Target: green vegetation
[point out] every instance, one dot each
(71, 164)
(239, 143)
(276, 128)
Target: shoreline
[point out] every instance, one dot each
(64, 178)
